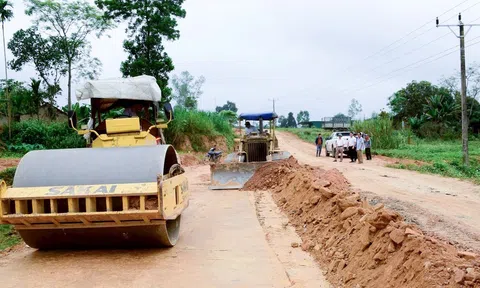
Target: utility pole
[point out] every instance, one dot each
(273, 100)
(462, 35)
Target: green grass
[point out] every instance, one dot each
(198, 124)
(307, 134)
(8, 237)
(441, 157)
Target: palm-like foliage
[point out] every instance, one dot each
(440, 109)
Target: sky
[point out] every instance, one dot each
(307, 55)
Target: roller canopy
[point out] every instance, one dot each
(90, 166)
(143, 88)
(256, 116)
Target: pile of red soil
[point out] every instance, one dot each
(8, 163)
(191, 159)
(357, 244)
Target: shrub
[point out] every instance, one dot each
(381, 132)
(7, 175)
(432, 130)
(36, 134)
(196, 124)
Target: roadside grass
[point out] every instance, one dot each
(442, 157)
(197, 124)
(8, 237)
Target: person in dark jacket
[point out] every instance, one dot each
(368, 145)
(319, 143)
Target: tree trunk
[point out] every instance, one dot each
(69, 85)
(9, 103)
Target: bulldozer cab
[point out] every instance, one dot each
(255, 146)
(257, 139)
(124, 114)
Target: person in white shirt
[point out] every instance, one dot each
(340, 145)
(250, 129)
(351, 148)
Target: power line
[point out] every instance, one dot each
(415, 30)
(430, 29)
(406, 36)
(422, 64)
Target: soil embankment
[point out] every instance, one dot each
(359, 244)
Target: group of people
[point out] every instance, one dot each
(357, 144)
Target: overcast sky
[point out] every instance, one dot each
(310, 55)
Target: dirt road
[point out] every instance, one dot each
(445, 207)
(222, 244)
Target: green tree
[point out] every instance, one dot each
(303, 116)
(187, 90)
(230, 106)
(229, 115)
(83, 112)
(409, 101)
(355, 108)
(29, 47)
(473, 85)
(149, 23)
(25, 99)
(282, 120)
(68, 24)
(5, 15)
(291, 123)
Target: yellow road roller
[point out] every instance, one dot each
(125, 189)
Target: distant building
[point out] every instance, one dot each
(330, 123)
(44, 114)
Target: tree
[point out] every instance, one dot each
(26, 99)
(355, 108)
(69, 23)
(187, 90)
(303, 116)
(149, 23)
(291, 123)
(229, 115)
(473, 84)
(408, 102)
(230, 106)
(29, 47)
(5, 15)
(283, 121)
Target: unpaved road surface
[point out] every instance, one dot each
(444, 207)
(222, 244)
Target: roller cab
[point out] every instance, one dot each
(126, 189)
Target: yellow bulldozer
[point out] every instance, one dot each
(254, 147)
(127, 189)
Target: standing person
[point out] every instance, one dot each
(360, 148)
(368, 144)
(319, 143)
(340, 144)
(351, 148)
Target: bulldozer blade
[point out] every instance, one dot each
(280, 155)
(231, 176)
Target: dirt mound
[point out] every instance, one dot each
(207, 143)
(360, 245)
(8, 163)
(192, 159)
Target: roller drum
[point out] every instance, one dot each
(97, 166)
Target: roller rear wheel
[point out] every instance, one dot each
(149, 236)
